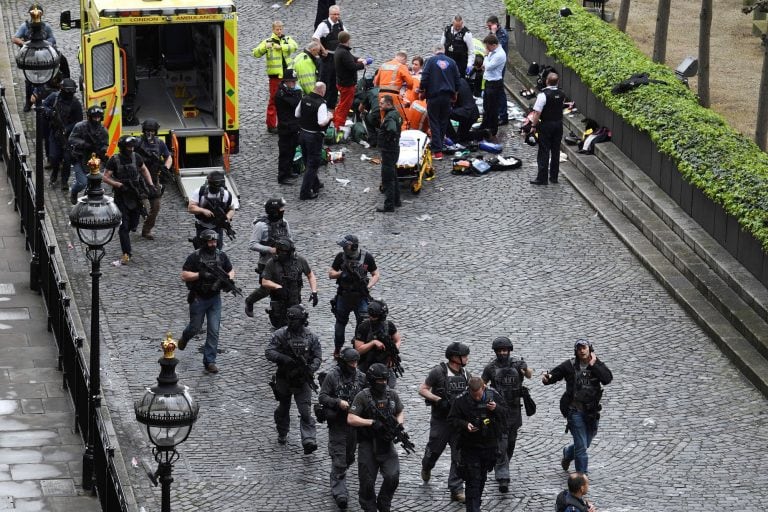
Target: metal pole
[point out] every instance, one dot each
(164, 474)
(34, 264)
(89, 474)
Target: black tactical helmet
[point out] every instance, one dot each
(289, 75)
(378, 308)
(456, 349)
(502, 342)
(377, 371)
(150, 124)
(273, 205)
(95, 111)
(349, 355)
(284, 244)
(348, 240)
(297, 312)
(68, 85)
(208, 234)
(126, 141)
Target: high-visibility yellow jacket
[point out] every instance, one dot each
(280, 51)
(306, 71)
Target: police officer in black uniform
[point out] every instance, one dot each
(327, 34)
(205, 296)
(157, 158)
(340, 386)
(313, 118)
(455, 40)
(63, 111)
(213, 195)
(547, 118)
(479, 418)
(287, 98)
(282, 278)
(266, 231)
(350, 269)
(443, 385)
(87, 138)
(376, 453)
(389, 144)
(505, 374)
(584, 376)
(130, 178)
(297, 353)
(374, 337)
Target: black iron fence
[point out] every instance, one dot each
(58, 301)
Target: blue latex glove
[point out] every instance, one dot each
(469, 70)
(368, 61)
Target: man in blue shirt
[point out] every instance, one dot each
(495, 28)
(24, 34)
(494, 85)
(439, 85)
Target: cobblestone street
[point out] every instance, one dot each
(468, 259)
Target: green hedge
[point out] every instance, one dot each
(729, 168)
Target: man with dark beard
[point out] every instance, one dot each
(296, 351)
(339, 388)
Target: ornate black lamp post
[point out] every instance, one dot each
(39, 61)
(95, 218)
(169, 412)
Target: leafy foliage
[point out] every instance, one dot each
(726, 166)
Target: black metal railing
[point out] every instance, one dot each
(53, 287)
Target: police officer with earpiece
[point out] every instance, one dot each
(376, 451)
(213, 205)
(205, 295)
(282, 278)
(129, 177)
(339, 388)
(158, 158)
(505, 374)
(296, 351)
(443, 385)
(584, 376)
(88, 137)
(266, 231)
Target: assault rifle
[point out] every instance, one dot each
(393, 353)
(155, 161)
(222, 278)
(394, 431)
(302, 370)
(358, 277)
(221, 221)
(57, 125)
(138, 188)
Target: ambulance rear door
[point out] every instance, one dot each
(103, 84)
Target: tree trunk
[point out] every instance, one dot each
(761, 130)
(705, 30)
(662, 24)
(623, 15)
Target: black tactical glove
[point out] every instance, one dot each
(203, 274)
(314, 299)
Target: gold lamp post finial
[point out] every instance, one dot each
(169, 346)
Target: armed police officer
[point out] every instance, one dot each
(213, 207)
(505, 374)
(350, 269)
(129, 177)
(282, 278)
(479, 418)
(443, 385)
(378, 341)
(584, 376)
(339, 388)
(296, 351)
(372, 409)
(287, 99)
(206, 272)
(266, 231)
(88, 137)
(63, 111)
(158, 160)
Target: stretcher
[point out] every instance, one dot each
(415, 162)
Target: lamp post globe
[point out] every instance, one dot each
(168, 412)
(37, 58)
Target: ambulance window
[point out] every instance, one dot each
(103, 65)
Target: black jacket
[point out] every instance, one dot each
(491, 424)
(346, 66)
(286, 101)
